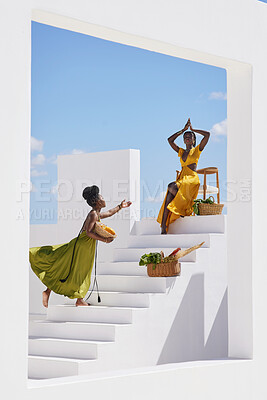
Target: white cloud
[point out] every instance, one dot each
(35, 173)
(53, 158)
(38, 160)
(77, 151)
(36, 145)
(218, 130)
(218, 96)
(158, 199)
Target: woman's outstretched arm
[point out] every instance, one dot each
(205, 139)
(173, 137)
(113, 211)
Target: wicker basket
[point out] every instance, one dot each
(164, 269)
(102, 232)
(210, 209)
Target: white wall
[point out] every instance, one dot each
(116, 173)
(218, 32)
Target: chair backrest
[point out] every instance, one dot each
(207, 170)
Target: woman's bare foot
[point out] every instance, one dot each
(81, 302)
(46, 294)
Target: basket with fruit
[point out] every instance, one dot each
(158, 265)
(104, 230)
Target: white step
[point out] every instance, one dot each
(192, 224)
(134, 254)
(127, 268)
(70, 348)
(120, 299)
(133, 284)
(72, 330)
(77, 340)
(40, 367)
(90, 314)
(174, 241)
(121, 268)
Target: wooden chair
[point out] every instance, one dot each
(206, 189)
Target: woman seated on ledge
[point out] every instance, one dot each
(180, 195)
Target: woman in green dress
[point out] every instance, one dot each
(68, 272)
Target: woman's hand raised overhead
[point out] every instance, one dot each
(187, 124)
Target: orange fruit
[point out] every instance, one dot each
(110, 230)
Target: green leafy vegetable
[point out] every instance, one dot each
(197, 201)
(151, 258)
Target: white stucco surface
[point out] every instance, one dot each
(230, 34)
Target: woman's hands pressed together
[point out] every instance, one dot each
(187, 125)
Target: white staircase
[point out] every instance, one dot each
(141, 321)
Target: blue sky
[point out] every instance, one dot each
(91, 95)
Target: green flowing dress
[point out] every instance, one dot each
(52, 263)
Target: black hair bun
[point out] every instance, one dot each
(90, 194)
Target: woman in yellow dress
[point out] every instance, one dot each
(180, 196)
(65, 269)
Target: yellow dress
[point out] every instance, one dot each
(52, 265)
(188, 184)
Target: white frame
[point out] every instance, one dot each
(239, 109)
